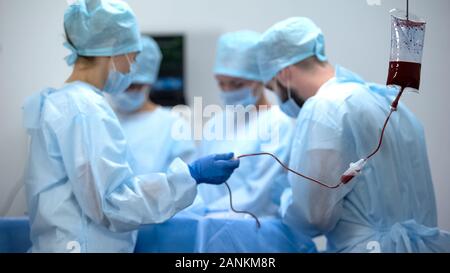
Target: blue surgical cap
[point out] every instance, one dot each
(147, 62)
(100, 28)
(237, 56)
(289, 42)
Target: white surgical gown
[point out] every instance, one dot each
(156, 138)
(82, 193)
(390, 206)
(259, 181)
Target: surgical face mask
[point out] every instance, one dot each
(130, 101)
(243, 96)
(290, 106)
(118, 82)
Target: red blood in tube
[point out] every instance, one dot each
(346, 178)
(404, 74)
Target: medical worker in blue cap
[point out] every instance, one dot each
(390, 206)
(82, 191)
(258, 183)
(154, 150)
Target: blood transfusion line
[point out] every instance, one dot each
(349, 174)
(258, 224)
(357, 166)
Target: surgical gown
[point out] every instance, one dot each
(390, 206)
(259, 181)
(156, 138)
(82, 193)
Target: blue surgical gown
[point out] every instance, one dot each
(156, 138)
(259, 181)
(82, 193)
(390, 206)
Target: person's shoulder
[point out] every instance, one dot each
(337, 93)
(76, 97)
(168, 115)
(274, 115)
(279, 123)
(329, 107)
(73, 100)
(165, 111)
(220, 117)
(276, 112)
(337, 98)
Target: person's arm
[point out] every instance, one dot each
(318, 152)
(95, 153)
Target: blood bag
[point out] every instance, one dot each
(407, 38)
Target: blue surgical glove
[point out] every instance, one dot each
(213, 169)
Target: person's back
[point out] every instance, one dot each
(156, 135)
(395, 188)
(390, 205)
(249, 124)
(51, 118)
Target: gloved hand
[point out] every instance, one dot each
(213, 169)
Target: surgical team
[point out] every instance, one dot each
(102, 160)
